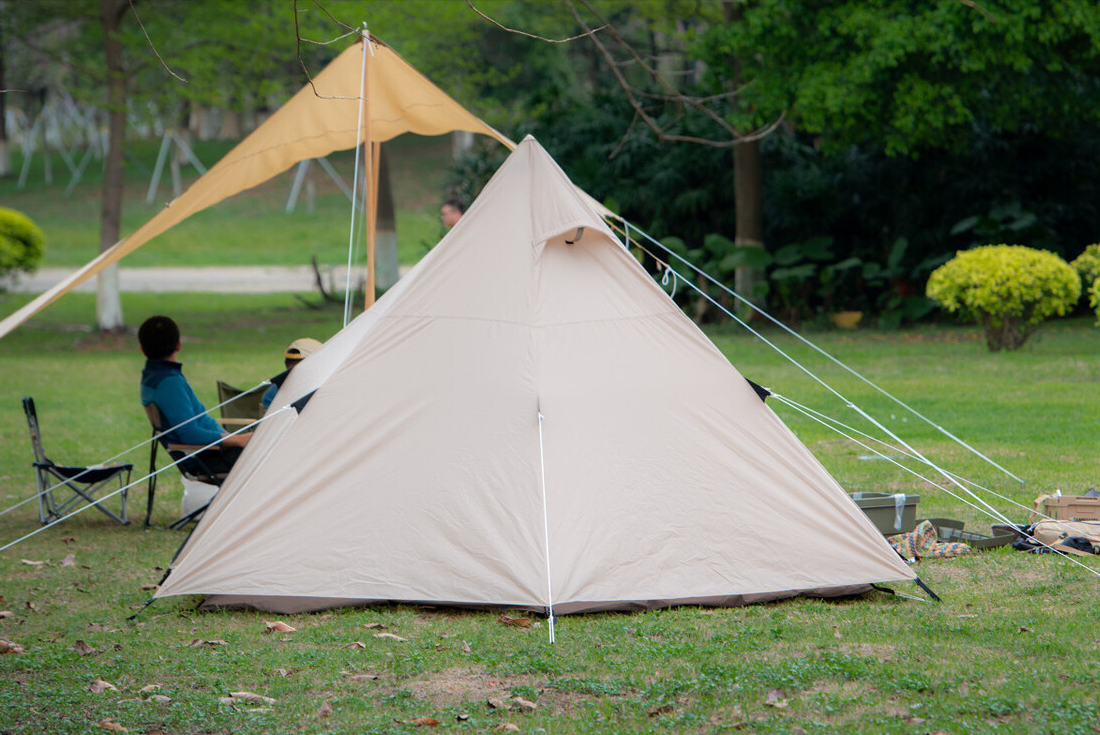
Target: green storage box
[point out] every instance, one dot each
(948, 529)
(891, 514)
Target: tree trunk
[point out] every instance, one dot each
(386, 270)
(5, 146)
(748, 187)
(108, 302)
(749, 211)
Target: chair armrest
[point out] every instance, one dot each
(236, 422)
(191, 448)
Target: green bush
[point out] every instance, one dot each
(1094, 298)
(1088, 265)
(21, 243)
(1010, 289)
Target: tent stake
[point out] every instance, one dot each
(926, 588)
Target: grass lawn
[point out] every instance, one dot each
(1011, 649)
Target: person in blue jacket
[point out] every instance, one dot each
(162, 383)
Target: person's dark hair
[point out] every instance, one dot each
(159, 336)
(457, 204)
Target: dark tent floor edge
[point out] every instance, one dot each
(290, 605)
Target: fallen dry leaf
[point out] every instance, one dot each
(390, 636)
(518, 622)
(149, 587)
(366, 676)
(1024, 629)
(524, 705)
(99, 628)
(199, 642)
(162, 699)
(278, 626)
(284, 672)
(6, 614)
(68, 539)
(466, 647)
(663, 709)
(422, 722)
(462, 717)
(84, 649)
(111, 725)
(355, 645)
(99, 686)
(3, 600)
(7, 646)
(325, 710)
(69, 561)
(149, 688)
(775, 699)
(33, 563)
(506, 727)
(374, 626)
(497, 703)
(836, 632)
(250, 697)
(30, 605)
(910, 720)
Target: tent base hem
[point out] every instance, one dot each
(290, 605)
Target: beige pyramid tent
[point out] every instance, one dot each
(526, 420)
(323, 117)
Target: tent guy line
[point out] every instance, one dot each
(950, 476)
(355, 181)
(994, 513)
(120, 455)
(808, 343)
(1094, 572)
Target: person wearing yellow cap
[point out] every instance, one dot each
(298, 350)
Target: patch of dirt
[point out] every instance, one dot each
(463, 684)
(877, 651)
(106, 342)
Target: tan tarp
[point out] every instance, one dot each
(319, 119)
(419, 470)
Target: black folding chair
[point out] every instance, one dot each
(200, 466)
(83, 482)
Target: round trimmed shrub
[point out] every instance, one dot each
(21, 243)
(1010, 289)
(1094, 298)
(1088, 265)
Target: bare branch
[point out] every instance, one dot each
(298, 39)
(531, 35)
(138, 19)
(980, 9)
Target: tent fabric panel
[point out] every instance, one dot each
(708, 492)
(408, 505)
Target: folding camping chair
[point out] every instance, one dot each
(83, 482)
(192, 467)
(240, 409)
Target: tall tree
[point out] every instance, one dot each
(108, 301)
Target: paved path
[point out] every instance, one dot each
(223, 279)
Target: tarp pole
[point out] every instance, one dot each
(372, 217)
(369, 176)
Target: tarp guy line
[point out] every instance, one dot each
(793, 333)
(139, 480)
(355, 181)
(828, 387)
(1092, 571)
(133, 448)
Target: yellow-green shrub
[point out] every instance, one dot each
(1094, 298)
(1088, 265)
(21, 242)
(1010, 289)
